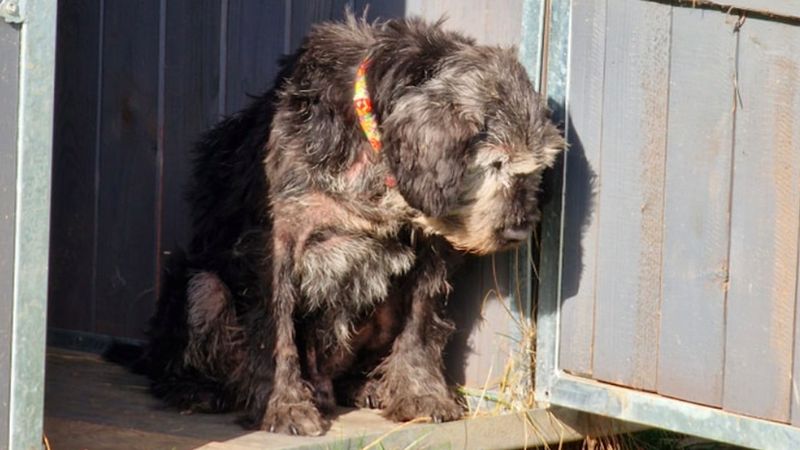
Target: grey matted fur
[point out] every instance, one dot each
(310, 280)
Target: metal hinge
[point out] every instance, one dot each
(10, 11)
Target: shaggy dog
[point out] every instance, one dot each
(324, 229)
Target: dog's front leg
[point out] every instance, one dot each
(290, 408)
(412, 382)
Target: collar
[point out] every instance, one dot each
(366, 116)
(363, 106)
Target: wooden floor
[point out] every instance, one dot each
(93, 404)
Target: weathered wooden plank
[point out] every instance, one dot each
(9, 85)
(765, 219)
(72, 235)
(696, 210)
(481, 19)
(126, 233)
(583, 161)
(191, 105)
(380, 9)
(308, 12)
(632, 167)
(477, 350)
(256, 39)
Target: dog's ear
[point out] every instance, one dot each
(426, 143)
(552, 143)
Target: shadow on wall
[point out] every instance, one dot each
(581, 193)
(476, 283)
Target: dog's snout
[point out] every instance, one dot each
(515, 234)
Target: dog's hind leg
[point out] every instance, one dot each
(411, 379)
(213, 345)
(215, 337)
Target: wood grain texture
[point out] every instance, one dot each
(583, 162)
(764, 223)
(696, 212)
(127, 238)
(480, 19)
(255, 43)
(9, 88)
(73, 232)
(306, 13)
(191, 105)
(632, 167)
(380, 9)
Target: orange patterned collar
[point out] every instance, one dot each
(363, 105)
(366, 117)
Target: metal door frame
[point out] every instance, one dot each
(36, 22)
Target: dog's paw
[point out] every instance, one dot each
(438, 409)
(366, 396)
(299, 419)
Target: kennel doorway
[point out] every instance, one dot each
(136, 83)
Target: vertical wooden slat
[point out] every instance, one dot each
(764, 223)
(126, 259)
(383, 9)
(255, 38)
(191, 102)
(9, 84)
(696, 211)
(308, 12)
(634, 142)
(583, 161)
(483, 20)
(72, 235)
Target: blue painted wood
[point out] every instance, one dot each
(306, 13)
(583, 163)
(764, 223)
(75, 157)
(696, 212)
(481, 19)
(631, 195)
(129, 130)
(380, 9)
(9, 83)
(191, 76)
(256, 39)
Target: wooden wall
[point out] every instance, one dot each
(683, 194)
(136, 84)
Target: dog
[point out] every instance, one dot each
(328, 217)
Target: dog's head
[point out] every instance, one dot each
(468, 147)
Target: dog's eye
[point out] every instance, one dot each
(497, 165)
(478, 139)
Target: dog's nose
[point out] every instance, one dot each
(515, 234)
